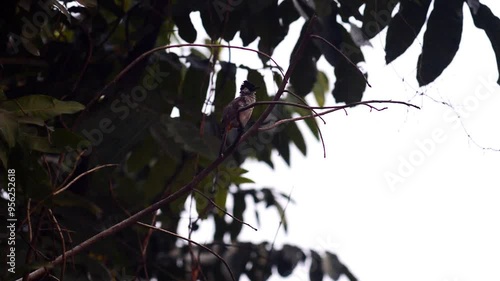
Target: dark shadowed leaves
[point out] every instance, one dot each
(487, 21)
(376, 16)
(441, 40)
(304, 74)
(404, 27)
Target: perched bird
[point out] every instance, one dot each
(233, 116)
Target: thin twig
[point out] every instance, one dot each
(340, 52)
(191, 241)
(63, 243)
(222, 210)
(81, 175)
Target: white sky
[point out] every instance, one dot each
(441, 223)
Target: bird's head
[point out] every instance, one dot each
(248, 88)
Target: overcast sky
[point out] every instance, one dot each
(437, 218)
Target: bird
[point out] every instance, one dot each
(233, 116)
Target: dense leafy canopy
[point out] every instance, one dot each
(66, 109)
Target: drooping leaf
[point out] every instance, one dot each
(287, 12)
(304, 74)
(239, 207)
(350, 8)
(376, 16)
(441, 40)
(4, 155)
(269, 29)
(41, 106)
(288, 258)
(142, 155)
(350, 83)
(37, 143)
(490, 23)
(321, 87)
(186, 29)
(316, 269)
(225, 87)
(258, 80)
(404, 27)
(8, 127)
(281, 143)
(62, 138)
(194, 88)
(332, 266)
(293, 132)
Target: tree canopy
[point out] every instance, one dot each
(105, 130)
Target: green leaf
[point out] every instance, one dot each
(8, 127)
(37, 143)
(2, 96)
(278, 79)
(62, 138)
(320, 88)
(258, 80)
(4, 155)
(31, 120)
(162, 170)
(41, 106)
(225, 87)
(70, 199)
(142, 155)
(293, 132)
(194, 89)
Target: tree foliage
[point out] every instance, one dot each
(77, 92)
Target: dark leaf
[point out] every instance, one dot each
(350, 83)
(316, 269)
(376, 16)
(332, 266)
(8, 127)
(441, 40)
(404, 27)
(281, 143)
(268, 28)
(225, 87)
(63, 138)
(487, 21)
(320, 88)
(304, 74)
(41, 106)
(350, 8)
(186, 29)
(194, 88)
(239, 207)
(288, 258)
(287, 12)
(258, 80)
